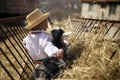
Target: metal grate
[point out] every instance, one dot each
(83, 25)
(15, 61)
(104, 29)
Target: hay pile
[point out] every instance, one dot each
(93, 58)
(98, 60)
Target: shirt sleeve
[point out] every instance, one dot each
(50, 49)
(24, 41)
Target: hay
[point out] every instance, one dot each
(94, 62)
(92, 58)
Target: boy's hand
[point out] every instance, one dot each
(60, 53)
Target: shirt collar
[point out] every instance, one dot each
(35, 32)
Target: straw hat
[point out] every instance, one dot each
(35, 18)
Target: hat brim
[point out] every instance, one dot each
(38, 21)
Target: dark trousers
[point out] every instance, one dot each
(41, 72)
(50, 68)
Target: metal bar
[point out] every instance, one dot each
(113, 21)
(8, 73)
(104, 25)
(84, 30)
(87, 27)
(19, 33)
(76, 30)
(93, 26)
(81, 29)
(13, 18)
(12, 51)
(100, 22)
(108, 29)
(10, 62)
(116, 32)
(16, 48)
(113, 54)
(23, 31)
(18, 38)
(22, 48)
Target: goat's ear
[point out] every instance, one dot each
(61, 30)
(53, 31)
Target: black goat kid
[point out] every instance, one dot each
(58, 40)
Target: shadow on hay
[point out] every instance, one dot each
(75, 53)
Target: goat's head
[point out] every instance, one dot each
(57, 33)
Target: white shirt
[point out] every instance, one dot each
(39, 45)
